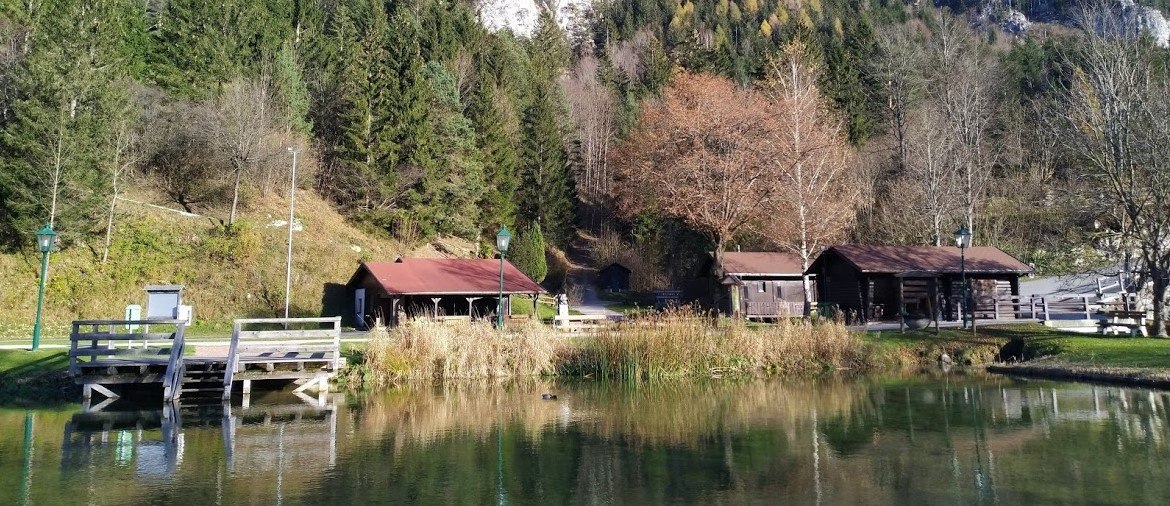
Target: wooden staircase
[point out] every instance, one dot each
(202, 380)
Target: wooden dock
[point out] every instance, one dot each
(106, 355)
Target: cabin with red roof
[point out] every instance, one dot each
(390, 292)
(881, 282)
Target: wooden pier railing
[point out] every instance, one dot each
(302, 354)
(105, 352)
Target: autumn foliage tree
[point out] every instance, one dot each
(705, 154)
(818, 197)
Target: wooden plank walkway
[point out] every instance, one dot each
(105, 355)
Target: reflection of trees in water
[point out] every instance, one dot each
(902, 440)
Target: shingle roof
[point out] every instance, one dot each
(899, 259)
(761, 263)
(447, 276)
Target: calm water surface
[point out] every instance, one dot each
(940, 439)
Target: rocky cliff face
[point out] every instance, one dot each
(1141, 19)
(520, 16)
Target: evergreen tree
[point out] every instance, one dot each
(498, 152)
(450, 192)
(291, 92)
(546, 192)
(408, 104)
(367, 149)
(527, 253)
(66, 92)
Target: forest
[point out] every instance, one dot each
(877, 121)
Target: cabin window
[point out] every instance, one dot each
(763, 286)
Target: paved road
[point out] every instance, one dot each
(591, 303)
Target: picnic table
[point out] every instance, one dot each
(1129, 320)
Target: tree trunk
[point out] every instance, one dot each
(1159, 296)
(110, 216)
(235, 195)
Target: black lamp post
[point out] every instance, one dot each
(45, 241)
(502, 240)
(963, 241)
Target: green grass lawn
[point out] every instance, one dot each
(25, 363)
(1038, 341)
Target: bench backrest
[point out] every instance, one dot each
(247, 344)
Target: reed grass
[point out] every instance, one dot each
(669, 344)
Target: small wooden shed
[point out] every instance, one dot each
(436, 287)
(761, 284)
(614, 277)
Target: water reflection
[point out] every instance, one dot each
(944, 439)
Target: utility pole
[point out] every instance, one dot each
(291, 207)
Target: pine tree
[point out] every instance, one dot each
(546, 194)
(527, 253)
(498, 152)
(366, 146)
(291, 92)
(409, 103)
(67, 89)
(450, 192)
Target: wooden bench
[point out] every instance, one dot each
(1112, 321)
(313, 354)
(580, 322)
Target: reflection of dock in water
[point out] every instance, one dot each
(262, 437)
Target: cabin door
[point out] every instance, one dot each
(359, 305)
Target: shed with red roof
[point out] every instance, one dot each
(435, 287)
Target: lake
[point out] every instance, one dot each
(938, 438)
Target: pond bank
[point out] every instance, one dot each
(1056, 370)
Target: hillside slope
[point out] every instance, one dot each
(227, 273)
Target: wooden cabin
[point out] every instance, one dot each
(614, 277)
(444, 288)
(760, 284)
(875, 282)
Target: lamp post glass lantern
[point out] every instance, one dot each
(502, 239)
(46, 238)
(963, 241)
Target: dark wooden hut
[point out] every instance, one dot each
(614, 277)
(759, 284)
(435, 287)
(887, 282)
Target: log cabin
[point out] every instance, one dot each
(881, 282)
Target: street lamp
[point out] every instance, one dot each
(45, 241)
(963, 241)
(291, 205)
(502, 240)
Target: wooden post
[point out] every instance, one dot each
(995, 306)
(436, 300)
(1047, 315)
(932, 294)
(535, 300)
(393, 319)
(1032, 307)
(901, 304)
(1085, 301)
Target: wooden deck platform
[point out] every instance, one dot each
(105, 354)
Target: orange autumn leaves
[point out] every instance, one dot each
(769, 160)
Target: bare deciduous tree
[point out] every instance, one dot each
(244, 121)
(593, 107)
(818, 195)
(1117, 112)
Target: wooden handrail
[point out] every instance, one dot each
(173, 378)
(286, 336)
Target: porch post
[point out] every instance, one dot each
(901, 304)
(932, 295)
(436, 300)
(535, 299)
(393, 319)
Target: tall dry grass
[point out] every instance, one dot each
(681, 343)
(669, 344)
(427, 349)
